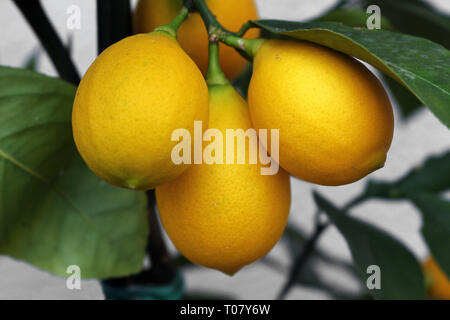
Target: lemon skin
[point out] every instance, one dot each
(192, 34)
(334, 116)
(225, 216)
(129, 102)
(439, 283)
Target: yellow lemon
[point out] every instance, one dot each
(192, 34)
(439, 283)
(134, 95)
(225, 216)
(334, 117)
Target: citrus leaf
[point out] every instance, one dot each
(54, 212)
(406, 101)
(435, 226)
(353, 17)
(417, 18)
(432, 177)
(419, 64)
(401, 276)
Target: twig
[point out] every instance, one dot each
(59, 55)
(303, 257)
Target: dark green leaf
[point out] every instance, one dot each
(417, 18)
(401, 276)
(432, 177)
(54, 212)
(406, 101)
(435, 226)
(419, 64)
(32, 60)
(353, 17)
(242, 82)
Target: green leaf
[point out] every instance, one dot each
(54, 212)
(406, 101)
(432, 177)
(401, 276)
(435, 226)
(242, 82)
(32, 60)
(422, 186)
(417, 18)
(353, 17)
(419, 64)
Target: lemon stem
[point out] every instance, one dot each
(215, 76)
(246, 47)
(172, 27)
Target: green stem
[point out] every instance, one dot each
(215, 76)
(172, 27)
(246, 47)
(245, 27)
(178, 20)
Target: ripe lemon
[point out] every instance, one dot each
(225, 216)
(439, 283)
(129, 102)
(192, 34)
(334, 116)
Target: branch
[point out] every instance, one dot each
(303, 257)
(59, 55)
(113, 22)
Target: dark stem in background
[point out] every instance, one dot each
(59, 55)
(162, 270)
(306, 252)
(113, 22)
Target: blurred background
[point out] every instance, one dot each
(414, 140)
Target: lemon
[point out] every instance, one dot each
(334, 117)
(225, 216)
(129, 102)
(439, 283)
(192, 34)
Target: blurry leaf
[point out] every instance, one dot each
(417, 18)
(54, 212)
(32, 60)
(432, 177)
(406, 101)
(242, 82)
(401, 276)
(353, 17)
(422, 186)
(436, 226)
(419, 64)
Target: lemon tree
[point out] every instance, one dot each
(55, 212)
